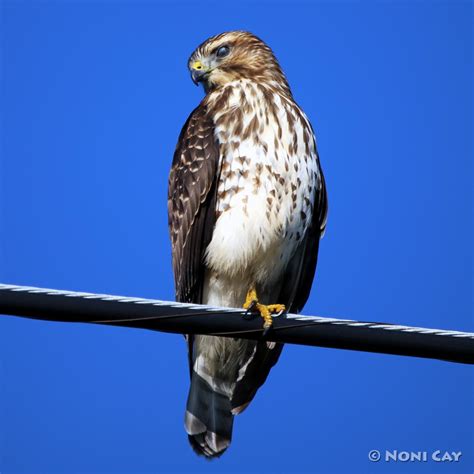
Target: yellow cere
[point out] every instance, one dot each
(197, 65)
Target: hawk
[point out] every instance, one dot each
(247, 206)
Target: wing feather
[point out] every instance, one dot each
(192, 202)
(299, 275)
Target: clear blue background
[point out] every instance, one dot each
(93, 97)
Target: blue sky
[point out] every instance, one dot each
(93, 98)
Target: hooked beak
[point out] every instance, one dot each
(198, 72)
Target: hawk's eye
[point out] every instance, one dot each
(222, 51)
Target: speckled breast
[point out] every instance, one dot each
(268, 171)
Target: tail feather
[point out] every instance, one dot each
(208, 419)
(256, 372)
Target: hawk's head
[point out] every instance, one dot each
(232, 56)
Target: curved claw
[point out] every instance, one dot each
(266, 330)
(250, 313)
(276, 309)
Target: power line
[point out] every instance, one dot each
(157, 315)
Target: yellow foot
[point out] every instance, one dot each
(265, 311)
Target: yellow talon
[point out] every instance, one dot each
(251, 298)
(251, 302)
(276, 308)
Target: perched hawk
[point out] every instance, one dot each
(247, 207)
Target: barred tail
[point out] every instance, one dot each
(208, 419)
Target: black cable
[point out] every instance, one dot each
(68, 306)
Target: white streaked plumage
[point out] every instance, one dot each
(264, 238)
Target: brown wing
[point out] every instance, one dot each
(300, 273)
(191, 203)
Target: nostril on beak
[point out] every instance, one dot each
(197, 66)
(198, 72)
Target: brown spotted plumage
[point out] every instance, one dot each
(247, 207)
(192, 202)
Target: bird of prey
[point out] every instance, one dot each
(247, 206)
